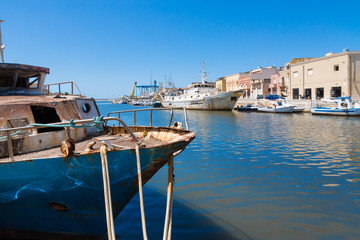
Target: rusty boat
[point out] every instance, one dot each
(51, 182)
(202, 96)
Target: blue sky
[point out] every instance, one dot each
(105, 46)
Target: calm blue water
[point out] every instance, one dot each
(256, 176)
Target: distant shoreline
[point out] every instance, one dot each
(103, 100)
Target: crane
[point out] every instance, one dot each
(132, 93)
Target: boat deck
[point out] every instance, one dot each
(118, 141)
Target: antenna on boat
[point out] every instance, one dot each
(203, 74)
(1, 45)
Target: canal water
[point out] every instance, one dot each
(250, 175)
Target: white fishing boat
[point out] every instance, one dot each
(203, 96)
(277, 106)
(277, 103)
(344, 107)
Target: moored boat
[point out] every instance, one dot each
(202, 96)
(344, 107)
(280, 104)
(156, 104)
(247, 108)
(277, 107)
(45, 192)
(51, 172)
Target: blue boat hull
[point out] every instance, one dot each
(336, 111)
(64, 196)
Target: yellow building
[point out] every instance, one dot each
(334, 75)
(221, 84)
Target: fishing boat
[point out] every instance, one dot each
(50, 166)
(247, 108)
(52, 148)
(156, 104)
(276, 103)
(202, 96)
(344, 107)
(276, 106)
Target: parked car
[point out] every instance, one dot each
(273, 97)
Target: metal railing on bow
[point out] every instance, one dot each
(151, 110)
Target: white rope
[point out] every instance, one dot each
(141, 193)
(169, 201)
(107, 193)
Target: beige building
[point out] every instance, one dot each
(260, 82)
(236, 82)
(221, 84)
(335, 75)
(232, 82)
(253, 83)
(279, 83)
(239, 81)
(284, 82)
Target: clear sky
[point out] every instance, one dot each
(105, 46)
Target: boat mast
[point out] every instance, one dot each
(203, 74)
(1, 46)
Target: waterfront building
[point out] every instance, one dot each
(334, 75)
(274, 79)
(220, 84)
(245, 84)
(279, 83)
(284, 81)
(232, 82)
(253, 83)
(260, 81)
(235, 82)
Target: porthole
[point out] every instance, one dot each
(86, 107)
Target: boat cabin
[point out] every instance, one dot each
(24, 100)
(199, 88)
(20, 79)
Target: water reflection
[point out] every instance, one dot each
(277, 176)
(128, 224)
(266, 176)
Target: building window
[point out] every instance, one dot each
(335, 92)
(336, 67)
(319, 93)
(310, 71)
(296, 74)
(295, 93)
(308, 93)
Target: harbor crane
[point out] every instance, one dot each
(133, 91)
